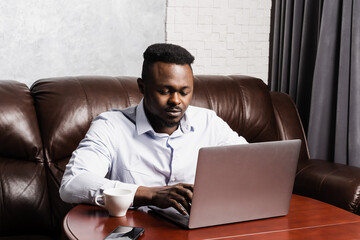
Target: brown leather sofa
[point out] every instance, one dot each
(41, 126)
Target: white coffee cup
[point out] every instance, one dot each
(116, 200)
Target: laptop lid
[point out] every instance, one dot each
(242, 182)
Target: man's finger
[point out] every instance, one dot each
(189, 186)
(179, 207)
(183, 200)
(186, 192)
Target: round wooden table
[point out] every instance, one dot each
(307, 219)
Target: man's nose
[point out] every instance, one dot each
(174, 99)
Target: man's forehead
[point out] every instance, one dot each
(168, 72)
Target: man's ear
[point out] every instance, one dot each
(141, 86)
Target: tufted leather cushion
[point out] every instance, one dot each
(20, 137)
(24, 200)
(243, 102)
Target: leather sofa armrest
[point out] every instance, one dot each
(329, 182)
(289, 122)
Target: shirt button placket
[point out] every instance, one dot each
(172, 178)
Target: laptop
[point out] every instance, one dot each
(240, 183)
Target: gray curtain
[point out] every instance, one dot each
(315, 58)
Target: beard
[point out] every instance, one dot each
(168, 124)
(165, 123)
(155, 119)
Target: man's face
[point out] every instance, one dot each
(167, 91)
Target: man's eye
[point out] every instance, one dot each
(184, 93)
(164, 92)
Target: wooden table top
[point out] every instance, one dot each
(307, 219)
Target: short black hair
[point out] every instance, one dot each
(165, 52)
(169, 53)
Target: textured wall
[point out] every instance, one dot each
(225, 36)
(47, 38)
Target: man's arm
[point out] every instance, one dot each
(84, 176)
(178, 196)
(83, 187)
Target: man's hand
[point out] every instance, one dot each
(178, 196)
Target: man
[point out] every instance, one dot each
(151, 148)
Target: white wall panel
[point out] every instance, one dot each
(48, 38)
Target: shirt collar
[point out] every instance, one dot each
(143, 125)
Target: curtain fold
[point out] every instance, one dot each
(322, 120)
(293, 50)
(315, 58)
(354, 99)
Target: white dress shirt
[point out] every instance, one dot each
(121, 149)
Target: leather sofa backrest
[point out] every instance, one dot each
(24, 198)
(242, 101)
(66, 106)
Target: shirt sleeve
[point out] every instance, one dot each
(224, 134)
(85, 174)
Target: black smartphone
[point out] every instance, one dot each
(125, 232)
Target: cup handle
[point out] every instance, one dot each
(96, 200)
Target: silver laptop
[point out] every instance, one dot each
(240, 183)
